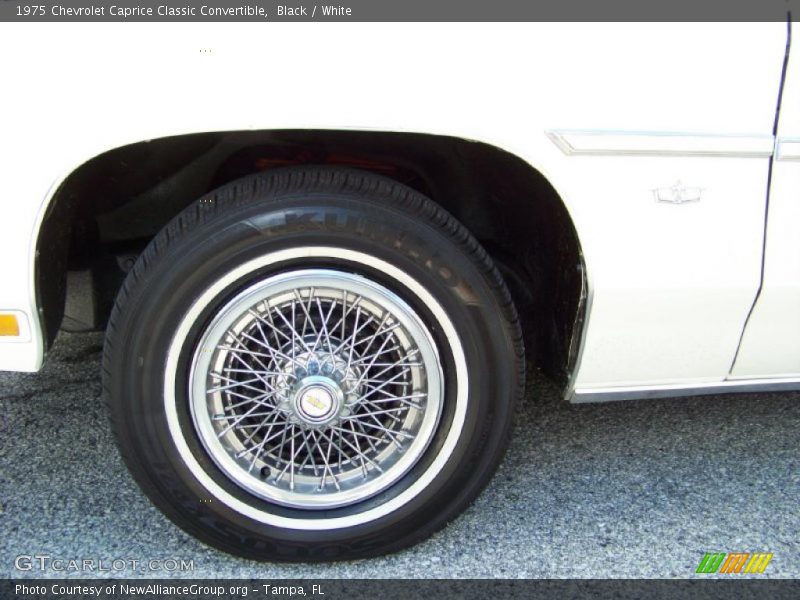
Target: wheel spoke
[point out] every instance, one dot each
(379, 388)
(260, 400)
(325, 459)
(295, 336)
(230, 386)
(245, 364)
(306, 310)
(238, 420)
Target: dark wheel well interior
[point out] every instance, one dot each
(109, 208)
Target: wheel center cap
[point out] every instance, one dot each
(316, 403)
(318, 400)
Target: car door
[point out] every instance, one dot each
(770, 346)
(666, 172)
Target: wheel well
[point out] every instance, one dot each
(109, 208)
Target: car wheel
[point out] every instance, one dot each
(313, 364)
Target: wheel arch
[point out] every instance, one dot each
(105, 210)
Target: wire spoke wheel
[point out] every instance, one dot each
(316, 389)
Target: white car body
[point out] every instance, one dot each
(658, 138)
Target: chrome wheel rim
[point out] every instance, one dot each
(316, 389)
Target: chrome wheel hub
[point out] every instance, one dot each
(318, 401)
(316, 389)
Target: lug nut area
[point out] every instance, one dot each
(317, 391)
(317, 401)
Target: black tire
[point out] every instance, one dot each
(284, 210)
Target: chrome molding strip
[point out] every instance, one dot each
(787, 149)
(641, 143)
(586, 395)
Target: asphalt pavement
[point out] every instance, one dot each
(627, 489)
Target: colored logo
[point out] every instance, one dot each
(734, 562)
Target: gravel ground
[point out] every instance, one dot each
(630, 489)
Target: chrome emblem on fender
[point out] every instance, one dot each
(678, 194)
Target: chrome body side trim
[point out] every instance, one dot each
(587, 395)
(645, 143)
(787, 149)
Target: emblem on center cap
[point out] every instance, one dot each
(316, 402)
